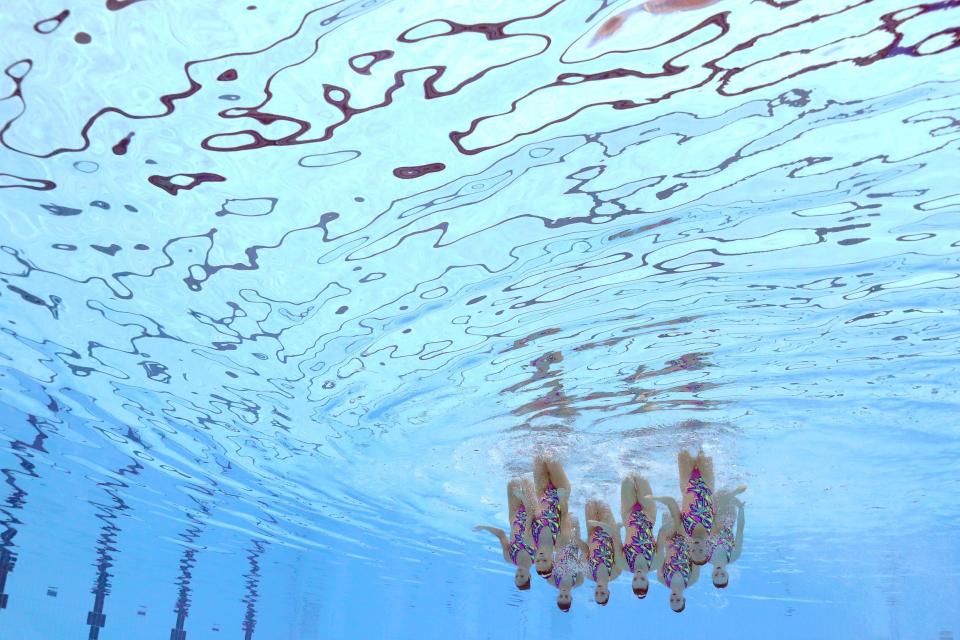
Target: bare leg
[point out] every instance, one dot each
(592, 511)
(557, 475)
(513, 502)
(643, 489)
(604, 514)
(705, 464)
(685, 465)
(628, 497)
(558, 478)
(540, 474)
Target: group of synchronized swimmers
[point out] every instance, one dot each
(707, 526)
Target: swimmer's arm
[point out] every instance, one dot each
(672, 506)
(738, 540)
(724, 496)
(501, 536)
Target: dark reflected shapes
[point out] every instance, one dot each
(228, 76)
(329, 159)
(117, 5)
(166, 182)
(110, 250)
(82, 37)
(86, 166)
(100, 204)
(409, 173)
(51, 24)
(121, 147)
(373, 58)
(59, 210)
(247, 207)
(38, 183)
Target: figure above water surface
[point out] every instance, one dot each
(614, 23)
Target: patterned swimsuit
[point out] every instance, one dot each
(641, 544)
(518, 545)
(701, 510)
(677, 562)
(601, 552)
(549, 516)
(567, 563)
(724, 540)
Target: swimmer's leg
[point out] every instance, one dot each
(705, 464)
(541, 476)
(515, 496)
(643, 489)
(557, 475)
(628, 497)
(685, 466)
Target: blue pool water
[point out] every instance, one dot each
(289, 292)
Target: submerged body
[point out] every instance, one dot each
(518, 547)
(604, 552)
(639, 513)
(569, 563)
(553, 491)
(727, 540)
(676, 569)
(696, 516)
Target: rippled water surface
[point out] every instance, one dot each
(289, 291)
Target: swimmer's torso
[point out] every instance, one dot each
(601, 552)
(518, 540)
(567, 565)
(677, 561)
(698, 507)
(723, 539)
(549, 518)
(640, 546)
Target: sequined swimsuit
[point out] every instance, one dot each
(549, 516)
(677, 561)
(567, 563)
(724, 540)
(518, 545)
(700, 512)
(641, 544)
(601, 552)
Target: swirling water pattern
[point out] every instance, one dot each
(289, 291)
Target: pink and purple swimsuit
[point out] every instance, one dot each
(724, 541)
(701, 510)
(641, 543)
(567, 563)
(677, 562)
(601, 552)
(518, 545)
(549, 516)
